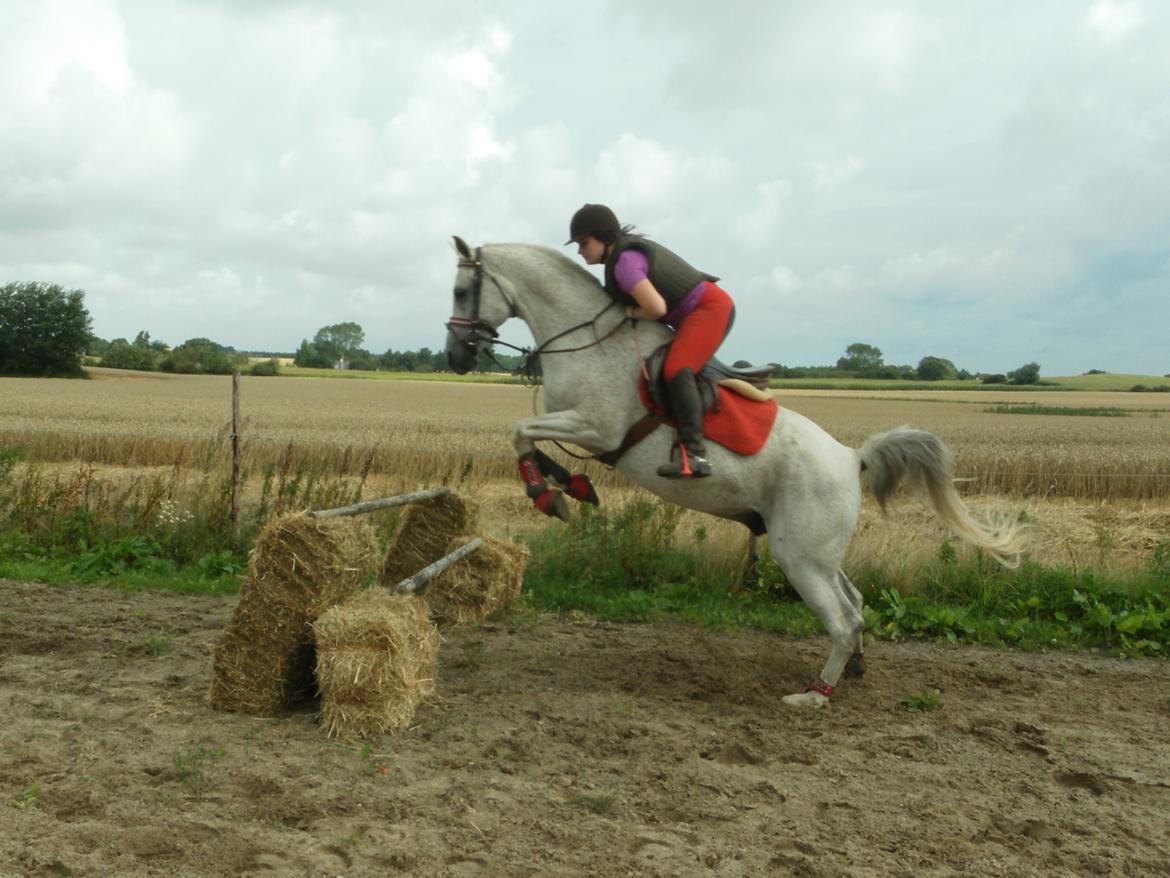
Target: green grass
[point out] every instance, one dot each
(922, 701)
(1107, 381)
(896, 384)
(1099, 383)
(1027, 408)
(54, 569)
(355, 374)
(627, 565)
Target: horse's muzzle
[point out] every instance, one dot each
(462, 349)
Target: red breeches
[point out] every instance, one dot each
(701, 333)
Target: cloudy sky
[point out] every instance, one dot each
(983, 181)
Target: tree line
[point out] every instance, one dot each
(863, 360)
(46, 330)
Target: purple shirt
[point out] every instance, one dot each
(632, 267)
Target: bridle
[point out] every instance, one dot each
(474, 331)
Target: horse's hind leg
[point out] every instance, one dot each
(576, 485)
(855, 667)
(821, 588)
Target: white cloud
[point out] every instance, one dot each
(829, 176)
(47, 40)
(932, 174)
(1114, 21)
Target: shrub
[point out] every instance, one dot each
(202, 356)
(997, 378)
(121, 354)
(265, 368)
(935, 369)
(1029, 373)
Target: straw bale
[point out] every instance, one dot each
(473, 588)
(377, 658)
(299, 568)
(427, 528)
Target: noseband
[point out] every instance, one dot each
(473, 330)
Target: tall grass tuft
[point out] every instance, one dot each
(103, 522)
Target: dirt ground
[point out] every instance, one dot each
(562, 748)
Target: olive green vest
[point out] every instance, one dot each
(671, 275)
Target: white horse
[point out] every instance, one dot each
(803, 487)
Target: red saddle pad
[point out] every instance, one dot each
(738, 424)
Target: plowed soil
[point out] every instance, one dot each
(556, 748)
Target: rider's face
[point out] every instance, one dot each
(591, 250)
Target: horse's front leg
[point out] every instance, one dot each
(534, 466)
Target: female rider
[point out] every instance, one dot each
(654, 283)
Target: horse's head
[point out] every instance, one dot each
(477, 310)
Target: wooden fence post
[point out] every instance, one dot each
(235, 513)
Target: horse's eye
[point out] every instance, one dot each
(460, 293)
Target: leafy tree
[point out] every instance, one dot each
(935, 369)
(362, 361)
(339, 341)
(202, 356)
(44, 329)
(142, 340)
(1029, 373)
(308, 357)
(994, 378)
(121, 354)
(860, 357)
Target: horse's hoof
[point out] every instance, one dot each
(855, 667)
(581, 488)
(552, 503)
(806, 700)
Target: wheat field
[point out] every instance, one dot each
(1096, 488)
(426, 430)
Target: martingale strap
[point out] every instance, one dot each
(642, 428)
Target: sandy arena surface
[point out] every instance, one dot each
(556, 748)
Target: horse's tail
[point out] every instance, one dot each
(925, 462)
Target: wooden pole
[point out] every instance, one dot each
(415, 583)
(236, 460)
(383, 503)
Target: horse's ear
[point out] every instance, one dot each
(462, 247)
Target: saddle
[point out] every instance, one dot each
(749, 383)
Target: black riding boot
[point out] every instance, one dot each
(689, 457)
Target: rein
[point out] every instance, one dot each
(479, 331)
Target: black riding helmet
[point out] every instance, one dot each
(596, 220)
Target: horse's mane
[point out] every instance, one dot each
(555, 261)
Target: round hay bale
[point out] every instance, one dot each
(473, 588)
(299, 568)
(377, 658)
(426, 531)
